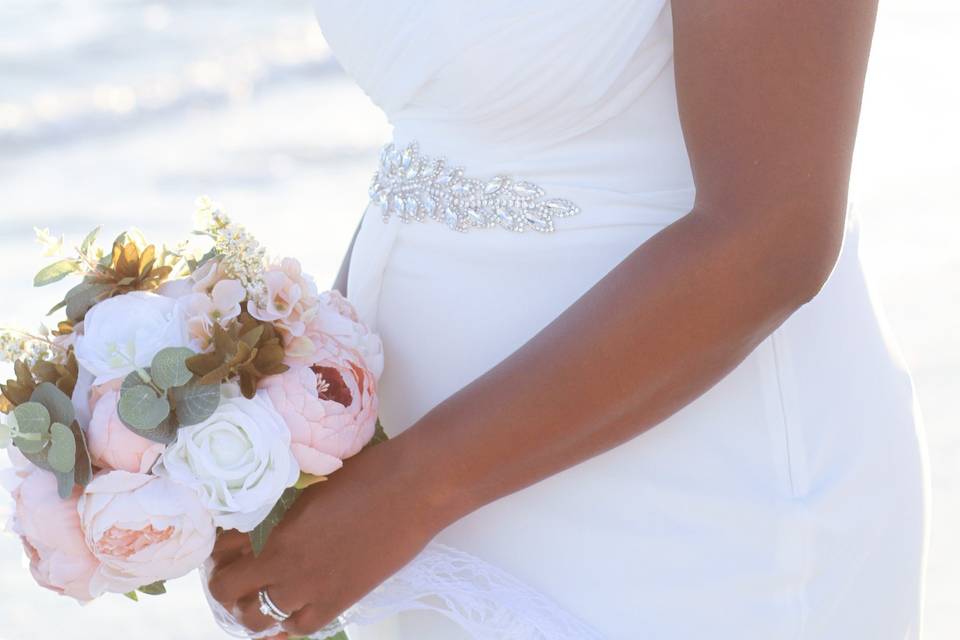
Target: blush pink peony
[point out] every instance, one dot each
(50, 530)
(142, 529)
(112, 444)
(332, 330)
(330, 408)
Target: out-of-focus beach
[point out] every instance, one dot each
(122, 112)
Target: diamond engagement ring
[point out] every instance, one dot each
(269, 608)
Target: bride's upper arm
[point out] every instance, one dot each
(769, 97)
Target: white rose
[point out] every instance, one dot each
(238, 460)
(123, 333)
(142, 529)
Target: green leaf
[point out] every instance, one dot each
(30, 444)
(132, 595)
(379, 435)
(140, 408)
(64, 484)
(307, 479)
(83, 467)
(5, 439)
(260, 533)
(32, 417)
(153, 589)
(56, 272)
(82, 297)
(57, 307)
(62, 455)
(164, 433)
(134, 379)
(34, 453)
(89, 240)
(169, 368)
(195, 402)
(56, 402)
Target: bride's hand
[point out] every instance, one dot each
(341, 538)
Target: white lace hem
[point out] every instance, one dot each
(487, 602)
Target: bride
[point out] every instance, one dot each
(632, 357)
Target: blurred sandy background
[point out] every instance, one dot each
(121, 112)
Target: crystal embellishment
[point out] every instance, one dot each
(414, 187)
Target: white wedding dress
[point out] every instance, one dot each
(789, 501)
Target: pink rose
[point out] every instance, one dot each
(330, 408)
(52, 538)
(143, 529)
(112, 444)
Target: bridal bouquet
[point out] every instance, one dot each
(186, 391)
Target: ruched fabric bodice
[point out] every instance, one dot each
(561, 92)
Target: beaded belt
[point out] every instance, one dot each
(415, 187)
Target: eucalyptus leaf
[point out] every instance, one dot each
(140, 408)
(82, 297)
(62, 454)
(56, 272)
(195, 402)
(134, 379)
(169, 368)
(56, 402)
(164, 433)
(32, 417)
(34, 453)
(260, 533)
(30, 446)
(5, 439)
(64, 484)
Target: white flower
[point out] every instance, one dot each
(122, 334)
(81, 396)
(238, 460)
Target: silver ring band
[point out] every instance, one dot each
(269, 608)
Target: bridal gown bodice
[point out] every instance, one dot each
(563, 93)
(788, 501)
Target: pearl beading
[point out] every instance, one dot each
(415, 187)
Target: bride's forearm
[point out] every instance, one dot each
(680, 312)
(769, 99)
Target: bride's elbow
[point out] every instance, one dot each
(810, 255)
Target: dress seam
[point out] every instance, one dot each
(799, 524)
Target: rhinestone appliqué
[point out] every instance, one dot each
(415, 187)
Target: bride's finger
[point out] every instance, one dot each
(230, 582)
(229, 547)
(231, 541)
(247, 613)
(306, 621)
